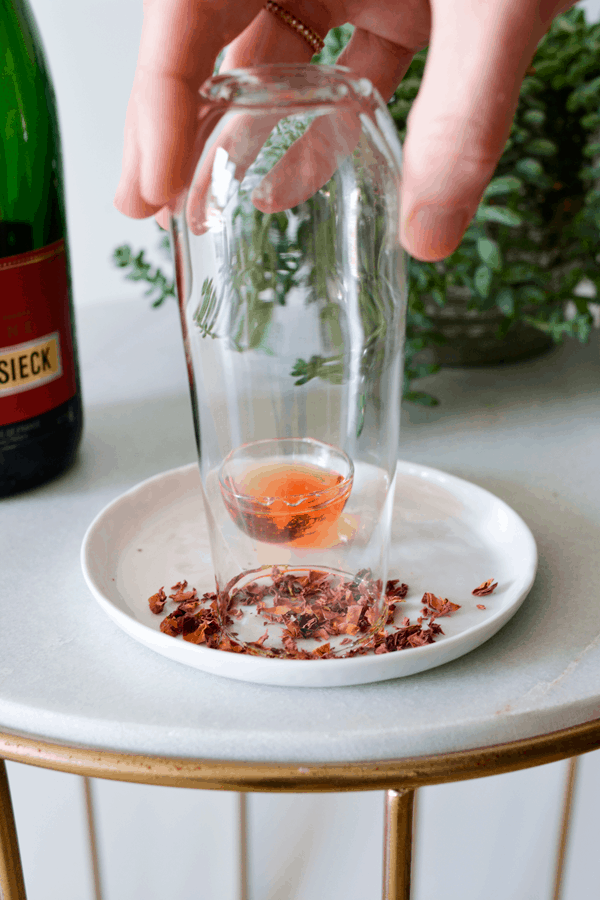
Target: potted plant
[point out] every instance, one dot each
(512, 287)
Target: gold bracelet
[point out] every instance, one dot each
(311, 37)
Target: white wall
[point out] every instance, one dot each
(92, 48)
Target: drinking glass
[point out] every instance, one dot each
(292, 294)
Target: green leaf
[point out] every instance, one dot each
(581, 304)
(165, 242)
(141, 270)
(545, 68)
(500, 214)
(438, 296)
(259, 322)
(541, 147)
(335, 41)
(529, 294)
(399, 110)
(564, 24)
(421, 398)
(534, 117)
(122, 256)
(504, 184)
(530, 169)
(423, 273)
(483, 280)
(591, 120)
(409, 88)
(205, 314)
(592, 149)
(519, 272)
(558, 327)
(531, 85)
(585, 95)
(421, 370)
(505, 301)
(329, 368)
(330, 317)
(590, 173)
(489, 253)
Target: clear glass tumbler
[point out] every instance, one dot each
(292, 293)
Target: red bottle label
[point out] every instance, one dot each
(37, 370)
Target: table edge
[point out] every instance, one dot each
(227, 775)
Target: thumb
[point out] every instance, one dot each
(461, 119)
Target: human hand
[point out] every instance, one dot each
(457, 127)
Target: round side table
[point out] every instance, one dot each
(86, 698)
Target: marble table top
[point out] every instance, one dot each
(528, 432)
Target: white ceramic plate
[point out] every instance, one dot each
(448, 537)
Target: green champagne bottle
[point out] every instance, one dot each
(40, 399)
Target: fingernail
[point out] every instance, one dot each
(434, 232)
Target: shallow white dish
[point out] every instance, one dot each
(448, 536)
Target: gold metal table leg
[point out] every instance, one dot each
(12, 886)
(565, 825)
(397, 844)
(244, 892)
(92, 836)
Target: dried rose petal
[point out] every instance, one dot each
(227, 644)
(180, 586)
(172, 625)
(486, 588)
(314, 606)
(189, 606)
(198, 636)
(157, 601)
(441, 607)
(395, 591)
(181, 595)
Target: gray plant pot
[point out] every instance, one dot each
(472, 336)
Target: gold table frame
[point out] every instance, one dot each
(399, 778)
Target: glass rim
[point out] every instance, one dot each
(227, 485)
(299, 84)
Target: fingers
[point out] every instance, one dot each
(312, 160)
(128, 198)
(180, 42)
(267, 38)
(224, 167)
(461, 118)
(167, 114)
(381, 61)
(309, 163)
